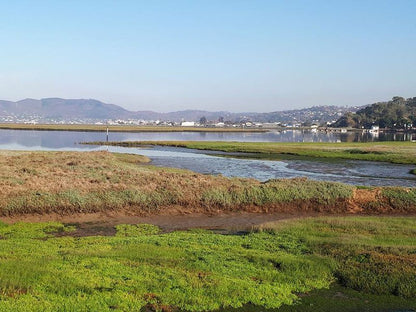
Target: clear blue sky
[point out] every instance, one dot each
(214, 55)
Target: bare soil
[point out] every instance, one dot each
(103, 223)
(175, 218)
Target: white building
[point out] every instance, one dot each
(374, 129)
(188, 124)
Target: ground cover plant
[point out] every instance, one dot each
(199, 270)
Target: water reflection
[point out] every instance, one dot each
(57, 139)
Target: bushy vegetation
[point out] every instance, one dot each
(200, 270)
(281, 191)
(399, 198)
(399, 113)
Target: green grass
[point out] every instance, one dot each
(203, 271)
(394, 152)
(375, 254)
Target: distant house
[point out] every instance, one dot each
(188, 124)
(374, 129)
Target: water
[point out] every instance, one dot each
(346, 171)
(64, 139)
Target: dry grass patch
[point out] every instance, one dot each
(69, 182)
(90, 182)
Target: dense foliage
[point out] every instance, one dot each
(399, 113)
(198, 270)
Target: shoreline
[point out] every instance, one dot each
(398, 152)
(104, 223)
(125, 128)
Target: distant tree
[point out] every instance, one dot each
(398, 113)
(203, 120)
(221, 119)
(345, 121)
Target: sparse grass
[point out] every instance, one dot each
(394, 152)
(202, 271)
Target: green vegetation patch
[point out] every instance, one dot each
(394, 152)
(128, 230)
(279, 191)
(401, 199)
(374, 254)
(199, 270)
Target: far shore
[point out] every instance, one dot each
(154, 128)
(123, 128)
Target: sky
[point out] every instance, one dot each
(212, 55)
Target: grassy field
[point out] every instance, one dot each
(394, 152)
(89, 182)
(122, 128)
(43, 268)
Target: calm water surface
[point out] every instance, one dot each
(346, 171)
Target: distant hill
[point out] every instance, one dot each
(56, 108)
(399, 113)
(87, 110)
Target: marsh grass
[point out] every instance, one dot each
(398, 198)
(202, 271)
(394, 152)
(75, 182)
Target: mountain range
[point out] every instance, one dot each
(57, 109)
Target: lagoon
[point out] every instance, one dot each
(347, 171)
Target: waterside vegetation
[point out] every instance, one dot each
(89, 182)
(399, 113)
(44, 268)
(76, 182)
(394, 152)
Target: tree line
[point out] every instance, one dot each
(399, 113)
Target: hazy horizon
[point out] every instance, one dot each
(237, 56)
